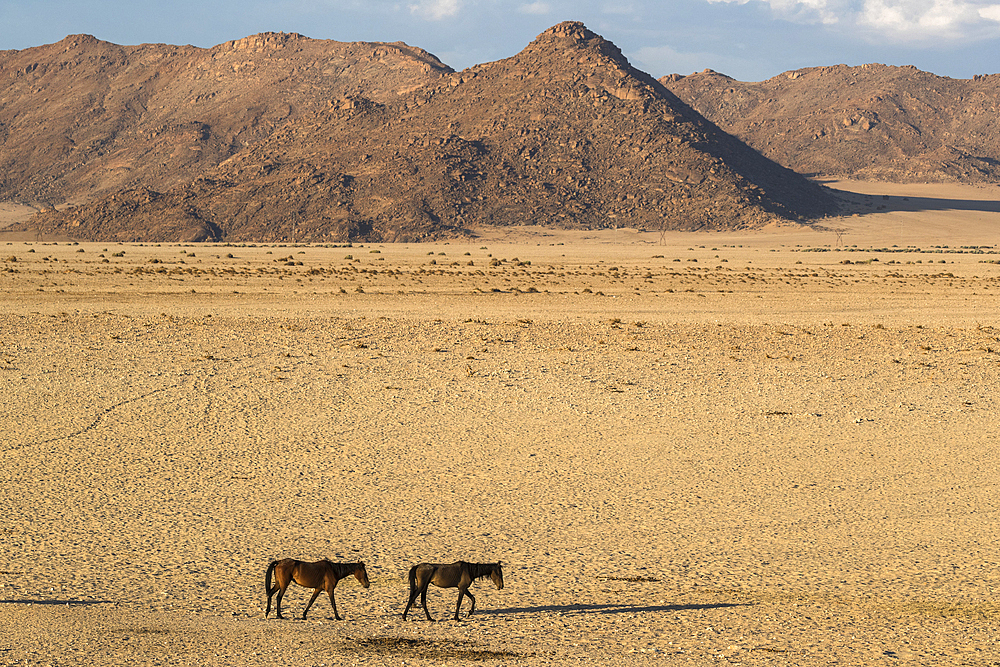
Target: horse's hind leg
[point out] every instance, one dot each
(281, 594)
(268, 588)
(414, 591)
(270, 594)
(423, 600)
(310, 603)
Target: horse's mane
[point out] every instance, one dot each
(479, 570)
(343, 569)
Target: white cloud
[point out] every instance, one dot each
(880, 14)
(436, 10)
(804, 11)
(922, 19)
(536, 8)
(906, 20)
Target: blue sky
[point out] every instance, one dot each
(750, 40)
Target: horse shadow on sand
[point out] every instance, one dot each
(613, 608)
(59, 603)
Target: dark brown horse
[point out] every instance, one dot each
(454, 575)
(321, 575)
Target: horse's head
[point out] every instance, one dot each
(496, 576)
(362, 575)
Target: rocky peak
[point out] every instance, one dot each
(71, 42)
(572, 37)
(572, 30)
(264, 41)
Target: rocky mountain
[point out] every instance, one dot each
(565, 133)
(83, 117)
(871, 122)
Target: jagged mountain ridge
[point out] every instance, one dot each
(84, 117)
(874, 122)
(564, 133)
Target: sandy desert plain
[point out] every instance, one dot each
(768, 448)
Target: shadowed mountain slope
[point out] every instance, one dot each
(872, 122)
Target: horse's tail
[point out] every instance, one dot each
(267, 577)
(413, 579)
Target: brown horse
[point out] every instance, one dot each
(455, 575)
(321, 575)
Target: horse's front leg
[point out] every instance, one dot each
(310, 603)
(471, 597)
(333, 601)
(458, 607)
